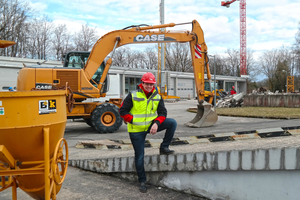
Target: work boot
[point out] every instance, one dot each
(143, 187)
(165, 151)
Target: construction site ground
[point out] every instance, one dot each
(227, 134)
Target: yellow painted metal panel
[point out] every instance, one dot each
(22, 120)
(6, 43)
(44, 76)
(6, 157)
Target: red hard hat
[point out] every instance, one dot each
(232, 87)
(148, 78)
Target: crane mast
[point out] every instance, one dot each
(243, 40)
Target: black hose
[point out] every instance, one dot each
(133, 26)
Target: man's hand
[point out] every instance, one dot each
(153, 129)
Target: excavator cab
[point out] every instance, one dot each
(78, 59)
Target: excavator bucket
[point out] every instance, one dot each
(206, 116)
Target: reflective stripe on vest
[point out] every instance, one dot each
(143, 111)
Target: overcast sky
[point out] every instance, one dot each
(270, 23)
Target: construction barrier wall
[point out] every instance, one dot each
(291, 100)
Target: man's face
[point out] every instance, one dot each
(148, 86)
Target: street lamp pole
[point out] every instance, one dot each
(214, 80)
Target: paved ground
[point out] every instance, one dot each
(84, 185)
(87, 185)
(78, 130)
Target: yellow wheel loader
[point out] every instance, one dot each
(86, 77)
(210, 87)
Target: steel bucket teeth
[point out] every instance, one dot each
(206, 116)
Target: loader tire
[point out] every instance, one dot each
(106, 118)
(88, 121)
(213, 101)
(217, 99)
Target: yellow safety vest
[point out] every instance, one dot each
(143, 111)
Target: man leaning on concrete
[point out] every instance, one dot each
(144, 112)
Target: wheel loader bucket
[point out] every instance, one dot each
(206, 116)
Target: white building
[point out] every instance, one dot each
(122, 80)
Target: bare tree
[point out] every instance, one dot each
(229, 64)
(297, 49)
(222, 66)
(150, 58)
(268, 65)
(139, 60)
(218, 63)
(178, 57)
(131, 58)
(22, 42)
(280, 76)
(13, 15)
(61, 41)
(125, 57)
(119, 58)
(40, 34)
(86, 38)
(233, 61)
(251, 65)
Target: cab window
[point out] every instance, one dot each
(76, 60)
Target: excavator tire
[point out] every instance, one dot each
(106, 118)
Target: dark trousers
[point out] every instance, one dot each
(138, 143)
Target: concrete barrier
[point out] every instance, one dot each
(291, 100)
(237, 174)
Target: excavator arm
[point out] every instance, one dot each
(107, 43)
(151, 34)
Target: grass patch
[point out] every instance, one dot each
(263, 112)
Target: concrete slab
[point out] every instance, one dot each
(269, 130)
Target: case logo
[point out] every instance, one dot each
(43, 86)
(152, 38)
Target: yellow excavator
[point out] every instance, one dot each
(88, 79)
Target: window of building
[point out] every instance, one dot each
(131, 84)
(228, 86)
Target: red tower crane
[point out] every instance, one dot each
(243, 41)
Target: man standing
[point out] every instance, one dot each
(144, 112)
(232, 91)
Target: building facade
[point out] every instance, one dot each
(122, 80)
